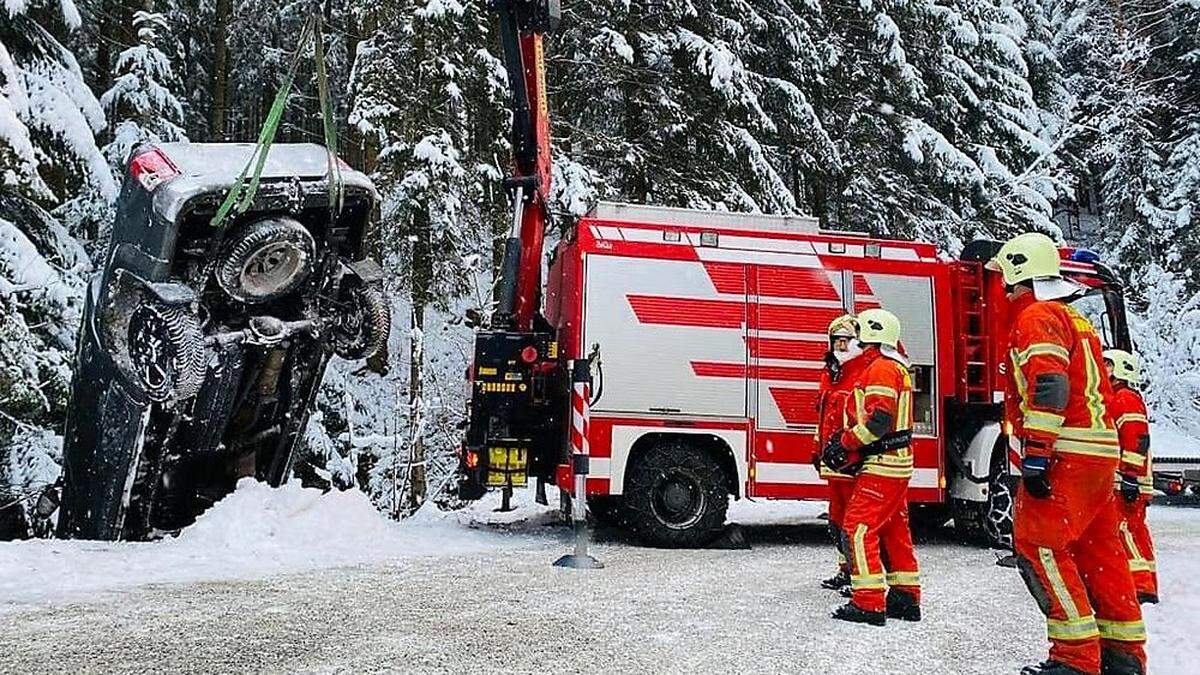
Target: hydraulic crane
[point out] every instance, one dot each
(517, 403)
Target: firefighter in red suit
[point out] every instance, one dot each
(1066, 519)
(877, 449)
(1137, 476)
(836, 389)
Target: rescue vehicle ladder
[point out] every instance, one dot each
(973, 357)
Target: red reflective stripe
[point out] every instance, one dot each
(782, 373)
(790, 350)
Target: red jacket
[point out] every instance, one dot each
(882, 404)
(1133, 429)
(1059, 395)
(835, 408)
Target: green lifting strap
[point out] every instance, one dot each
(241, 196)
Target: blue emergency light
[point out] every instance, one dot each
(1082, 255)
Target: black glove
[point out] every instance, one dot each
(1129, 488)
(1033, 475)
(838, 457)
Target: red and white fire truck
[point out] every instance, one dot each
(708, 335)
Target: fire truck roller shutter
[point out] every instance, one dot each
(911, 300)
(671, 343)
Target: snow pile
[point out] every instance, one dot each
(1166, 440)
(254, 533)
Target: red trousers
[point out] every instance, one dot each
(878, 541)
(1138, 546)
(1070, 554)
(839, 496)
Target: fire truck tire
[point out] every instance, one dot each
(676, 496)
(990, 523)
(608, 511)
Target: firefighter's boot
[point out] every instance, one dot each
(901, 605)
(1147, 599)
(1051, 668)
(838, 581)
(1117, 662)
(854, 614)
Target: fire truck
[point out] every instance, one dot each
(706, 332)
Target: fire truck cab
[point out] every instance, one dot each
(710, 330)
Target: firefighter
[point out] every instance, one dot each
(877, 450)
(1066, 518)
(1137, 477)
(836, 387)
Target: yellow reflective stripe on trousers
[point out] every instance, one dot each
(1123, 631)
(904, 578)
(876, 390)
(887, 471)
(1131, 417)
(1057, 584)
(861, 576)
(1081, 628)
(1041, 348)
(1130, 545)
(1091, 390)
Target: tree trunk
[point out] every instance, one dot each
(220, 77)
(420, 277)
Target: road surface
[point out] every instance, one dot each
(508, 610)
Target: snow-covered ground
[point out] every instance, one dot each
(292, 581)
(256, 532)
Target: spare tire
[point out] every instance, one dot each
(166, 351)
(266, 260)
(364, 320)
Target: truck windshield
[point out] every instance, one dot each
(1105, 308)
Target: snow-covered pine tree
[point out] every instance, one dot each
(408, 86)
(48, 119)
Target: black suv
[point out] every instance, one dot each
(203, 345)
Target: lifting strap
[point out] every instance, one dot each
(241, 195)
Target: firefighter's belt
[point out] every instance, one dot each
(895, 440)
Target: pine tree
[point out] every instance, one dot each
(48, 118)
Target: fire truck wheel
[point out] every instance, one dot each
(608, 511)
(989, 523)
(677, 495)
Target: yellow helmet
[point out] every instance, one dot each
(844, 326)
(1027, 257)
(1125, 366)
(878, 326)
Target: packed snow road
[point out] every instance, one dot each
(469, 597)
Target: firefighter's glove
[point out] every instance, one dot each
(1129, 488)
(1033, 475)
(838, 457)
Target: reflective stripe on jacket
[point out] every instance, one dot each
(1133, 429)
(882, 405)
(1059, 393)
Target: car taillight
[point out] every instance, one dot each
(529, 355)
(472, 459)
(151, 169)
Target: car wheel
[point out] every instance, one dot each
(266, 260)
(166, 351)
(363, 322)
(677, 496)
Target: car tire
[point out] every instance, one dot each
(166, 351)
(266, 260)
(676, 496)
(363, 322)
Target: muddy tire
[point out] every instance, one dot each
(676, 496)
(166, 351)
(266, 260)
(363, 322)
